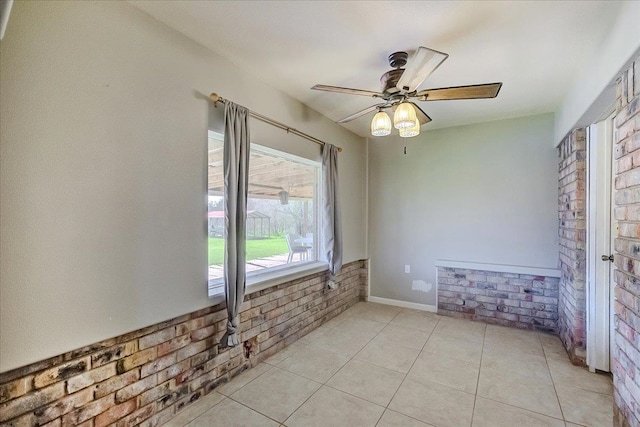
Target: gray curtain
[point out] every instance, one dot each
(331, 224)
(236, 184)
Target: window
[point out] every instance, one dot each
(282, 211)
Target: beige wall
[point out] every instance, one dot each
(103, 127)
(483, 193)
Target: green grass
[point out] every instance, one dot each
(255, 248)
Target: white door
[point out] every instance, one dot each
(599, 245)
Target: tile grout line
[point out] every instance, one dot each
(530, 409)
(353, 358)
(407, 374)
(324, 383)
(203, 412)
(280, 423)
(475, 397)
(553, 381)
(255, 410)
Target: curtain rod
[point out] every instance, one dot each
(215, 98)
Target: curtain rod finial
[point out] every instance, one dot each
(215, 98)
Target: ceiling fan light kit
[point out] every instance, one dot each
(410, 132)
(381, 124)
(405, 116)
(400, 85)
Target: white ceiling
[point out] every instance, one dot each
(536, 48)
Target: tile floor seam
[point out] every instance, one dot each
(271, 367)
(407, 374)
(295, 410)
(522, 409)
(325, 383)
(475, 398)
(585, 389)
(582, 388)
(251, 409)
(206, 410)
(354, 395)
(553, 381)
(405, 415)
(353, 358)
(264, 415)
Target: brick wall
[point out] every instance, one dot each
(626, 369)
(572, 233)
(508, 299)
(145, 377)
(364, 280)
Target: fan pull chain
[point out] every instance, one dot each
(405, 150)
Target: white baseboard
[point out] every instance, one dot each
(404, 304)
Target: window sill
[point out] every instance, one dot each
(258, 282)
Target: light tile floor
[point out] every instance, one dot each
(379, 365)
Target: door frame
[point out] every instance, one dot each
(599, 242)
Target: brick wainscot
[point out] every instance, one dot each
(145, 377)
(525, 298)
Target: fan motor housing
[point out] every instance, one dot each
(389, 80)
(398, 59)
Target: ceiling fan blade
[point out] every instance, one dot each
(423, 118)
(361, 113)
(489, 90)
(420, 66)
(347, 90)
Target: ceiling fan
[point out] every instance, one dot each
(399, 90)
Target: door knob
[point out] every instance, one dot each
(607, 258)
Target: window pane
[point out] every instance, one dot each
(281, 217)
(215, 214)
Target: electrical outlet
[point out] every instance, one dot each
(407, 268)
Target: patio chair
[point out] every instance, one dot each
(296, 248)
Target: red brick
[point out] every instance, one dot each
(91, 377)
(173, 370)
(115, 413)
(88, 411)
(61, 372)
(136, 359)
(135, 389)
(158, 365)
(114, 353)
(31, 401)
(63, 406)
(156, 338)
(137, 416)
(173, 345)
(202, 333)
(116, 383)
(16, 388)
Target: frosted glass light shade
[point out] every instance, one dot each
(381, 124)
(410, 132)
(405, 116)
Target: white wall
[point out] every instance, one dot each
(103, 122)
(483, 193)
(593, 90)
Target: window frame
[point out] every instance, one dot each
(267, 277)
